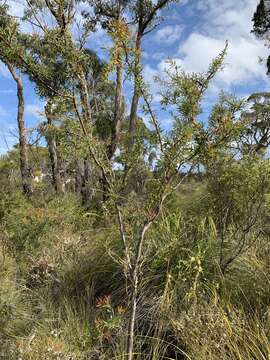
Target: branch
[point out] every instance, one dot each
(92, 153)
(160, 4)
(154, 120)
(122, 232)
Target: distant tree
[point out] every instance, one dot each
(261, 23)
(52, 147)
(256, 135)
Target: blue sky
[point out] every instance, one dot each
(192, 33)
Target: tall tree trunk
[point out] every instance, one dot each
(85, 98)
(116, 127)
(118, 109)
(24, 162)
(52, 148)
(136, 91)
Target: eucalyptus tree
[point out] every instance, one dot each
(110, 14)
(59, 65)
(51, 78)
(74, 72)
(9, 31)
(32, 55)
(120, 18)
(145, 18)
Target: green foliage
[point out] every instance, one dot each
(238, 194)
(176, 230)
(256, 124)
(184, 91)
(27, 224)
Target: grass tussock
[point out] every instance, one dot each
(63, 291)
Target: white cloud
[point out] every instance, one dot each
(228, 18)
(149, 75)
(168, 34)
(241, 64)
(156, 56)
(35, 110)
(8, 132)
(4, 72)
(16, 7)
(220, 21)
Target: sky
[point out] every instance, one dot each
(192, 33)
